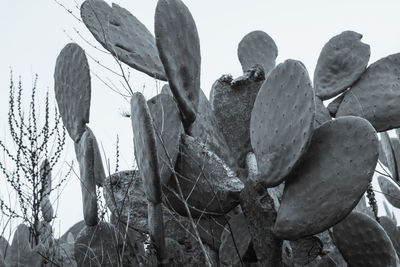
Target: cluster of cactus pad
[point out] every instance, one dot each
(262, 174)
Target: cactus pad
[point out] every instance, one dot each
(179, 48)
(363, 242)
(376, 95)
(392, 231)
(232, 102)
(144, 139)
(98, 245)
(228, 255)
(123, 35)
(205, 178)
(72, 89)
(390, 191)
(282, 121)
(330, 179)
(257, 47)
(207, 130)
(85, 156)
(341, 62)
(168, 127)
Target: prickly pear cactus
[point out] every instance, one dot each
(375, 96)
(123, 35)
(313, 197)
(179, 48)
(363, 242)
(72, 88)
(282, 120)
(265, 144)
(341, 62)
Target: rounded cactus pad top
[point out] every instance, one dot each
(72, 89)
(376, 95)
(282, 119)
(144, 139)
(257, 47)
(363, 242)
(341, 62)
(123, 35)
(330, 179)
(178, 44)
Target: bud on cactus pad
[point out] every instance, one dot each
(72, 89)
(282, 121)
(330, 179)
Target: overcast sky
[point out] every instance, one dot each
(34, 32)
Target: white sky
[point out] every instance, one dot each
(32, 35)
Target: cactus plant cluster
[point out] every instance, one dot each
(262, 174)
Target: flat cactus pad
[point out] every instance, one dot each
(330, 179)
(282, 121)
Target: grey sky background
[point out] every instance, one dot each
(34, 32)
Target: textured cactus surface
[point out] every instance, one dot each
(123, 35)
(232, 102)
(363, 242)
(341, 62)
(179, 48)
(331, 178)
(390, 191)
(168, 129)
(257, 47)
(207, 183)
(282, 121)
(72, 89)
(376, 95)
(85, 156)
(206, 129)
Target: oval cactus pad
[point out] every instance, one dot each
(72, 89)
(257, 47)
(376, 95)
(144, 139)
(179, 47)
(330, 179)
(124, 36)
(363, 242)
(390, 191)
(85, 156)
(168, 127)
(282, 119)
(341, 62)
